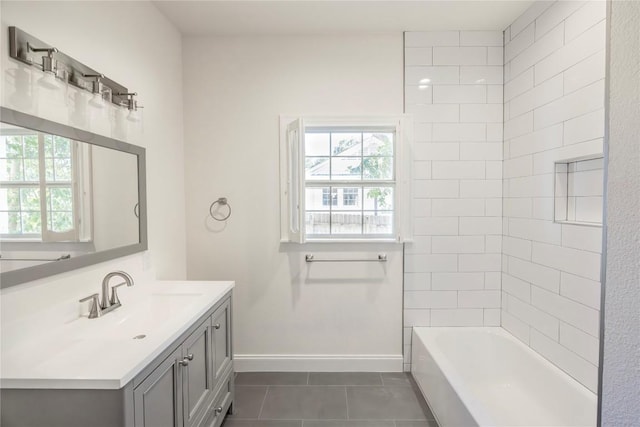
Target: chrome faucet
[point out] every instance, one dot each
(106, 301)
(98, 308)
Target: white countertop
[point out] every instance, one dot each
(101, 353)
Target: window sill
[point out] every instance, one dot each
(313, 241)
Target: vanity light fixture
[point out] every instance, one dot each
(132, 105)
(97, 88)
(60, 68)
(49, 67)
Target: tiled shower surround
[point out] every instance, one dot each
(475, 215)
(554, 111)
(453, 88)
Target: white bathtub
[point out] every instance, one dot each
(486, 377)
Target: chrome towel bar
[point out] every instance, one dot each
(311, 258)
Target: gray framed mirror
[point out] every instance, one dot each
(68, 198)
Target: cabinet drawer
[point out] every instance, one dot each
(221, 403)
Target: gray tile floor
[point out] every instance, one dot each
(328, 399)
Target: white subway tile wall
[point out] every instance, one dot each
(453, 89)
(554, 110)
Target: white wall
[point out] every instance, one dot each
(453, 89)
(287, 314)
(621, 380)
(554, 110)
(134, 44)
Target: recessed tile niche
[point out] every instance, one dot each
(579, 187)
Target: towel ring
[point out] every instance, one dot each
(222, 201)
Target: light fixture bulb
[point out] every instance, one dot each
(97, 101)
(49, 81)
(133, 116)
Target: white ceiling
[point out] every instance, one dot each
(332, 16)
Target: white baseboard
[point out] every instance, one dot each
(318, 362)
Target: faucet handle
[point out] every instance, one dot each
(114, 294)
(96, 310)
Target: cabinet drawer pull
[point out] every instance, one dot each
(184, 362)
(218, 410)
(216, 326)
(189, 356)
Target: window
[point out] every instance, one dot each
(38, 186)
(342, 180)
(329, 197)
(350, 197)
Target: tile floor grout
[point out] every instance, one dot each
(378, 383)
(346, 400)
(264, 399)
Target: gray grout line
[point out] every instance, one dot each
(264, 399)
(346, 400)
(336, 385)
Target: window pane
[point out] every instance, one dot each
(48, 146)
(11, 170)
(4, 222)
(13, 146)
(316, 144)
(48, 169)
(60, 221)
(60, 199)
(10, 223)
(317, 198)
(316, 168)
(31, 170)
(378, 168)
(31, 146)
(62, 169)
(346, 168)
(378, 198)
(378, 222)
(31, 223)
(10, 199)
(346, 144)
(377, 144)
(30, 199)
(317, 222)
(346, 223)
(62, 146)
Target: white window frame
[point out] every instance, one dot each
(292, 175)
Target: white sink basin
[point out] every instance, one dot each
(133, 318)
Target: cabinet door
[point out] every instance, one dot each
(221, 322)
(158, 399)
(197, 378)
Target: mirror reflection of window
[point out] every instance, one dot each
(44, 187)
(65, 194)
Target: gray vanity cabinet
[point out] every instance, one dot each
(193, 386)
(158, 400)
(189, 384)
